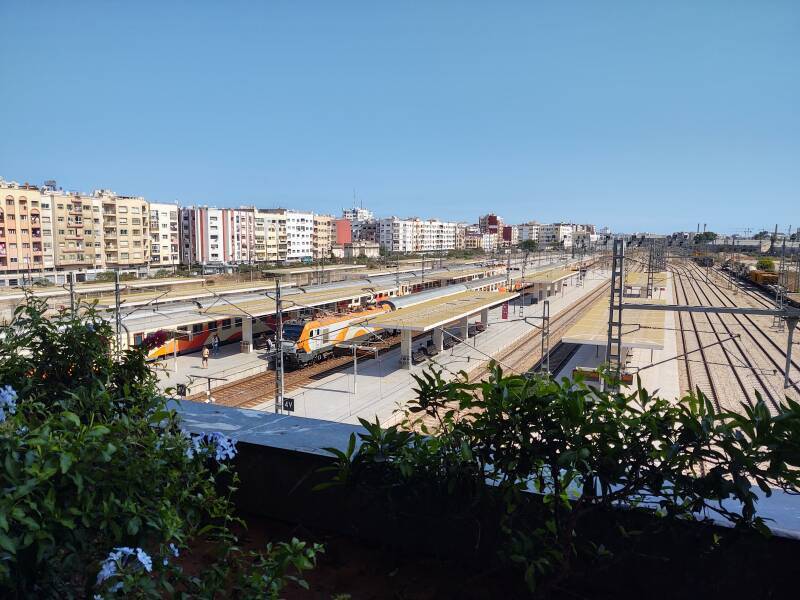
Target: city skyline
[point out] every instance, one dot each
(574, 113)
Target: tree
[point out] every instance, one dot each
(101, 488)
(762, 235)
(765, 264)
(528, 245)
(705, 237)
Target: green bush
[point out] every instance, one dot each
(101, 488)
(479, 448)
(765, 264)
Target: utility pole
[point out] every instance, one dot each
(117, 307)
(71, 275)
(522, 294)
(545, 364)
(278, 349)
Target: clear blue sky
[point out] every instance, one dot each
(639, 115)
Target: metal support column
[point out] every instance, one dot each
(614, 342)
(278, 349)
(545, 361)
(792, 324)
(117, 313)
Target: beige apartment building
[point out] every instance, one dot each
(26, 241)
(126, 230)
(270, 237)
(321, 238)
(77, 230)
(164, 246)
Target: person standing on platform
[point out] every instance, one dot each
(205, 354)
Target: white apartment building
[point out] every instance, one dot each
(528, 232)
(556, 234)
(396, 235)
(164, 234)
(299, 233)
(217, 236)
(416, 235)
(357, 214)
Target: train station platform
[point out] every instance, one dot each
(382, 386)
(649, 343)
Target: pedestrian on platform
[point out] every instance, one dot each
(215, 345)
(205, 354)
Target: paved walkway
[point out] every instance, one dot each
(230, 364)
(382, 386)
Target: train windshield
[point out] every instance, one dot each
(292, 332)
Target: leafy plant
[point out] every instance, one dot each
(553, 460)
(765, 264)
(96, 473)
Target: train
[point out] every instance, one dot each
(313, 340)
(305, 340)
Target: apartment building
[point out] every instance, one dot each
(321, 238)
(238, 235)
(556, 234)
(510, 236)
(357, 214)
(299, 228)
(491, 223)
(126, 230)
(26, 243)
(164, 235)
(78, 231)
(341, 231)
(528, 232)
(481, 241)
(270, 237)
(416, 235)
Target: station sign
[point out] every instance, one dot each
(288, 404)
(505, 310)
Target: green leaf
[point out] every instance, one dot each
(7, 544)
(66, 462)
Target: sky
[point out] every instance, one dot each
(637, 115)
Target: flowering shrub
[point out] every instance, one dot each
(8, 402)
(214, 445)
(100, 486)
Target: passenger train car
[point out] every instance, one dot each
(306, 340)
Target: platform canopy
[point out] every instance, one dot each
(458, 274)
(312, 270)
(440, 311)
(639, 279)
(188, 293)
(640, 328)
(549, 276)
(266, 306)
(95, 287)
(145, 321)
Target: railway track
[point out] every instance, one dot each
(257, 389)
(755, 359)
(761, 334)
(526, 352)
(698, 375)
